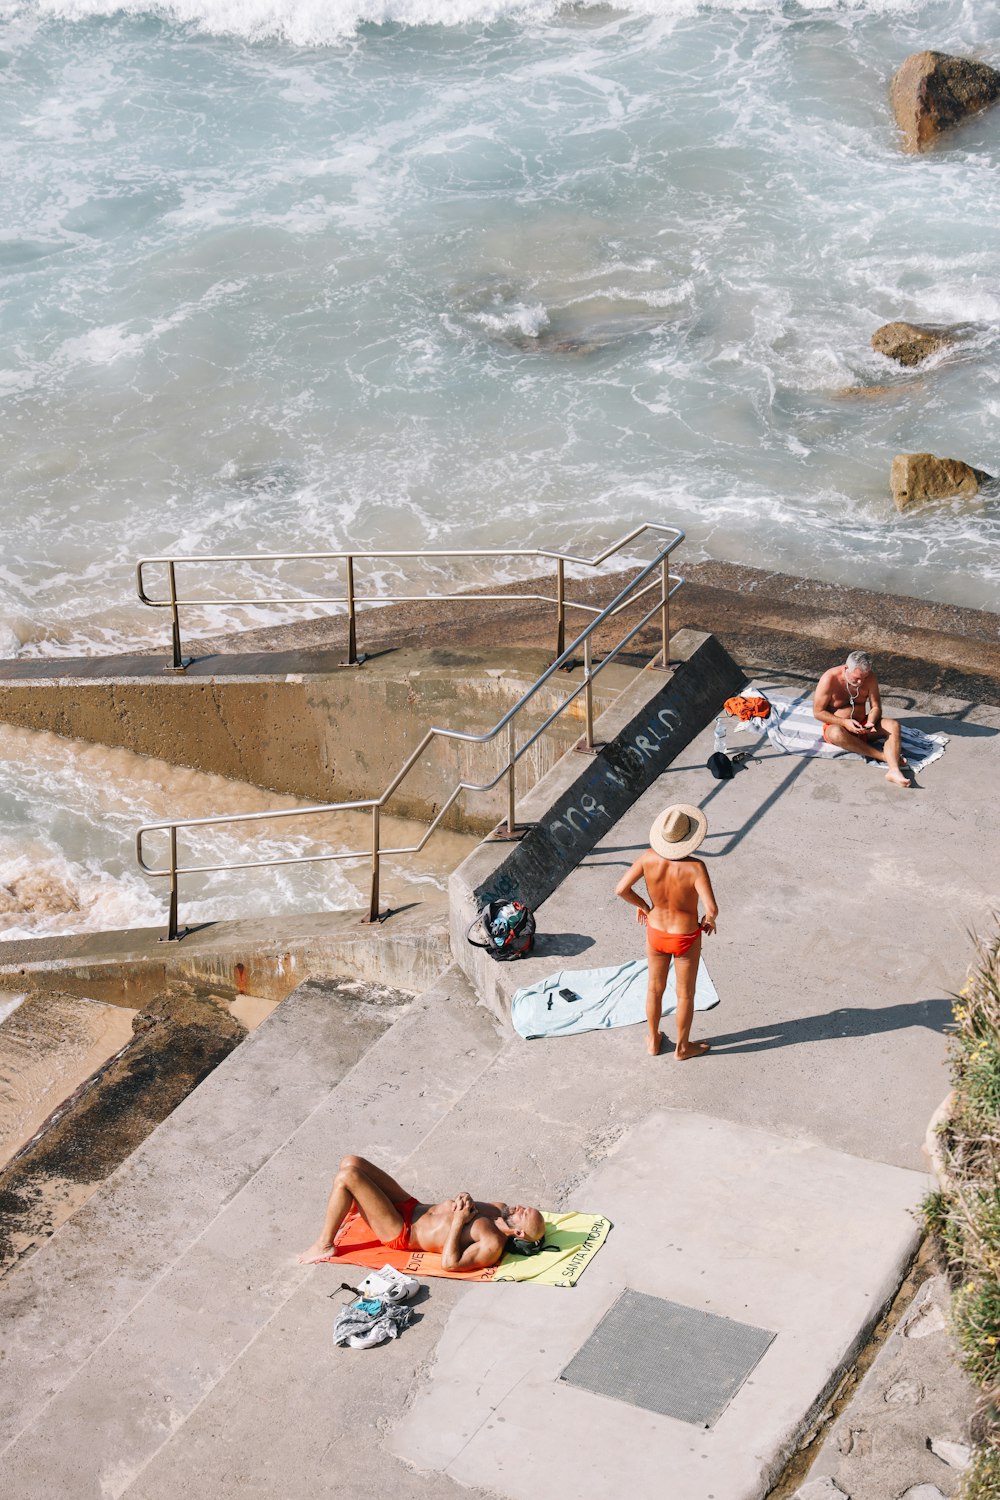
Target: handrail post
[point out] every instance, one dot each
(175, 628)
(665, 613)
(172, 912)
(588, 693)
(373, 911)
(560, 607)
(511, 774)
(352, 634)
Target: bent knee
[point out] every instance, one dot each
(351, 1163)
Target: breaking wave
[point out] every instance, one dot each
(315, 23)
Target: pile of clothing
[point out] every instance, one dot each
(379, 1311)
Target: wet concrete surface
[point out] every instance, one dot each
(765, 619)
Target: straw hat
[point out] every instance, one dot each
(678, 831)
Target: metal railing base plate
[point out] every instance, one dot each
(504, 835)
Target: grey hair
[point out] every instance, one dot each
(859, 661)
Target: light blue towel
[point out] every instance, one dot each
(608, 997)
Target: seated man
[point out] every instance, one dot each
(468, 1235)
(848, 705)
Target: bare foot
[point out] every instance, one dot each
(897, 778)
(691, 1049)
(316, 1253)
(653, 1044)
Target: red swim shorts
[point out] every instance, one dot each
(868, 734)
(402, 1240)
(676, 943)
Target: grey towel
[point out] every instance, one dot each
(360, 1318)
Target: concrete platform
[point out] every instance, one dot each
(802, 1241)
(165, 1343)
(844, 906)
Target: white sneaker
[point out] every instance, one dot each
(377, 1334)
(389, 1284)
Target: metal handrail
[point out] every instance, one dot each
(668, 585)
(351, 598)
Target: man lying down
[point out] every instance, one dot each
(468, 1235)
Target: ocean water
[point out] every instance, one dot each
(298, 274)
(68, 815)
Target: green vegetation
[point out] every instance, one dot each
(965, 1214)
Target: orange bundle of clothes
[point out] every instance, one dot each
(747, 708)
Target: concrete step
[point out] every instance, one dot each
(120, 1326)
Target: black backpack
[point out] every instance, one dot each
(509, 927)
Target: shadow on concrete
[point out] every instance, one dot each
(733, 837)
(850, 1021)
(560, 944)
(945, 724)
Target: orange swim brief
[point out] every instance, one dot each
(402, 1240)
(869, 733)
(676, 943)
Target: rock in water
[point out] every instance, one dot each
(932, 91)
(907, 344)
(917, 477)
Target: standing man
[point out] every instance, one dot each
(674, 882)
(848, 705)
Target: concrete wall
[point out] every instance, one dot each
(329, 736)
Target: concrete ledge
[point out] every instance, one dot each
(268, 959)
(572, 807)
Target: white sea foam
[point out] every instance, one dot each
(310, 23)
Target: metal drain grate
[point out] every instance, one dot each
(667, 1358)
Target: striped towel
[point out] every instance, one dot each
(791, 727)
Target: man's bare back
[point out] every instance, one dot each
(675, 882)
(673, 886)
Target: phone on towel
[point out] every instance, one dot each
(568, 995)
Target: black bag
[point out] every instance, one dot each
(722, 767)
(509, 927)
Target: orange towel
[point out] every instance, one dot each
(360, 1245)
(747, 708)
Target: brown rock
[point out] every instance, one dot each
(907, 344)
(917, 477)
(932, 91)
(864, 392)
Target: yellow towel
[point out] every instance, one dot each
(575, 1240)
